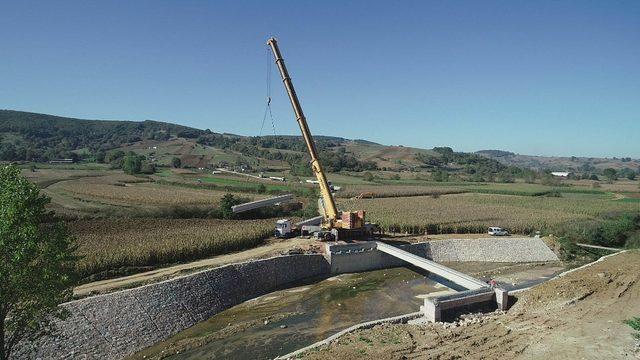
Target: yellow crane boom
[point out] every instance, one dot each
(330, 209)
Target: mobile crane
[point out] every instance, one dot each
(336, 225)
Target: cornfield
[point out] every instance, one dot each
(111, 244)
(383, 191)
(465, 213)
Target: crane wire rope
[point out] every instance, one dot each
(267, 109)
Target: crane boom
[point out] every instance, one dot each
(330, 209)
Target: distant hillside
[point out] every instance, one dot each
(28, 136)
(572, 163)
(41, 137)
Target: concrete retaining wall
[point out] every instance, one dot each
(365, 257)
(114, 325)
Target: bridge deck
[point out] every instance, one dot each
(454, 276)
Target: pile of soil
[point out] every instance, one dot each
(577, 316)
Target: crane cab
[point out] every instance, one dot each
(284, 229)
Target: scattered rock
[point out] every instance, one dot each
(296, 251)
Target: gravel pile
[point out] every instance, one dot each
(507, 249)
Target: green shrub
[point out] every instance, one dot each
(619, 231)
(131, 164)
(633, 241)
(635, 325)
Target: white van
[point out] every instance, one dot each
(496, 231)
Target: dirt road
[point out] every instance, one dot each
(577, 316)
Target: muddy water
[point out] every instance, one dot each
(283, 321)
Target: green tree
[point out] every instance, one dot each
(631, 176)
(176, 162)
(367, 176)
(36, 266)
(228, 201)
(132, 164)
(550, 180)
(147, 167)
(114, 155)
(100, 156)
(301, 169)
(610, 174)
(440, 176)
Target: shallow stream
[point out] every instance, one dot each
(283, 321)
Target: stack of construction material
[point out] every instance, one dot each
(352, 219)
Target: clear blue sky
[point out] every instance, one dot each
(533, 77)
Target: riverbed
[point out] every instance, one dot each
(286, 320)
(283, 321)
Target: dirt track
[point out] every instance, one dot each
(578, 316)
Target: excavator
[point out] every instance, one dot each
(336, 225)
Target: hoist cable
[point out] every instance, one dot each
(267, 109)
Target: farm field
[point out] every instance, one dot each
(107, 193)
(108, 244)
(124, 224)
(383, 191)
(127, 223)
(399, 188)
(48, 176)
(465, 213)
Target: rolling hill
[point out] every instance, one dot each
(26, 136)
(560, 163)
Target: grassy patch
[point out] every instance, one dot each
(635, 325)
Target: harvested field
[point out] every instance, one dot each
(464, 213)
(117, 243)
(46, 177)
(114, 193)
(104, 189)
(578, 316)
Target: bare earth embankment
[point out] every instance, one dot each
(577, 316)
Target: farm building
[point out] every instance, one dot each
(562, 174)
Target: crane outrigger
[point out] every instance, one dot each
(335, 224)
